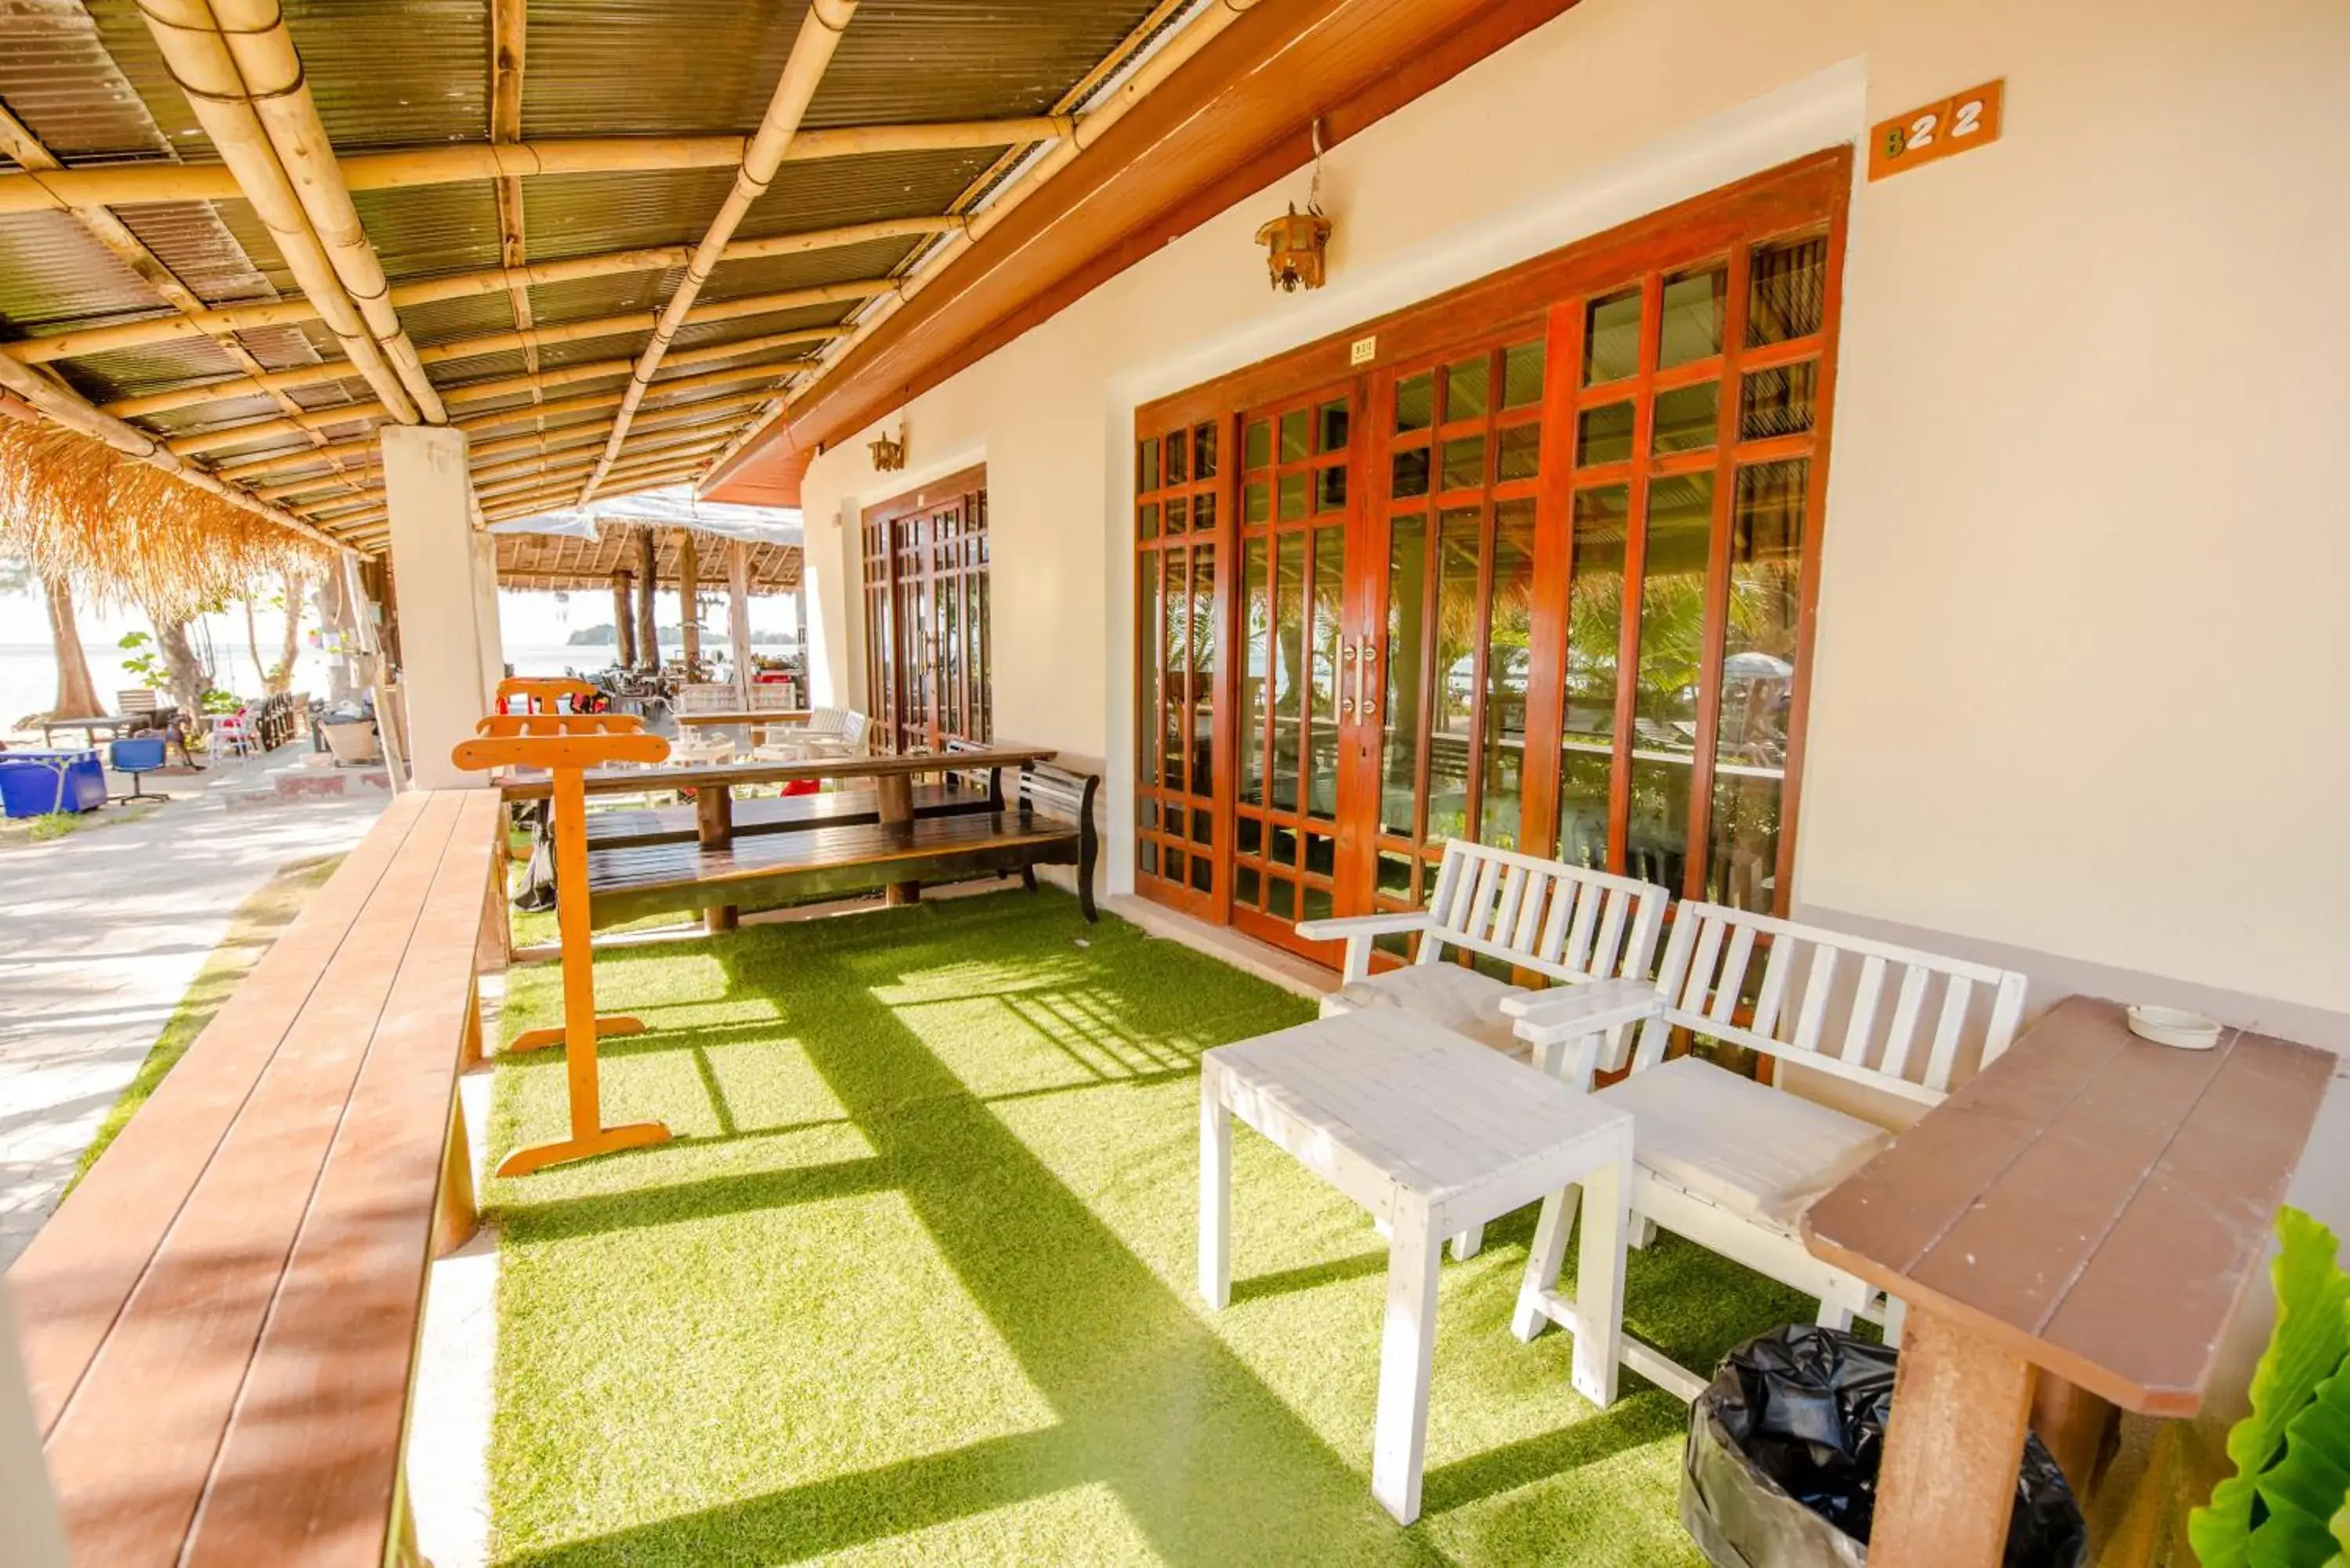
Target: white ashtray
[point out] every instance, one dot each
(2174, 1026)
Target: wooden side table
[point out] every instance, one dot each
(1432, 1134)
(2082, 1217)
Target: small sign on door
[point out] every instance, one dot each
(1964, 120)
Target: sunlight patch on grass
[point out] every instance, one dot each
(919, 1288)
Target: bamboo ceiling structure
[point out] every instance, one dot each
(608, 243)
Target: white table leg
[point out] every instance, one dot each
(1542, 1262)
(1215, 1194)
(1600, 1278)
(1406, 1356)
(1469, 1243)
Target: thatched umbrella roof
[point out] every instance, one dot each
(124, 534)
(566, 562)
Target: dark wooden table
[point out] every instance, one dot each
(714, 784)
(2083, 1216)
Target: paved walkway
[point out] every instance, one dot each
(101, 933)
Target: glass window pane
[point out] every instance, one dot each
(1314, 903)
(1204, 452)
(1293, 435)
(1281, 898)
(1203, 511)
(1508, 649)
(1146, 520)
(1203, 669)
(1203, 874)
(1281, 845)
(1179, 452)
(1777, 402)
(1465, 391)
(1152, 655)
(1416, 401)
(1593, 638)
(1664, 715)
(1256, 638)
(1292, 496)
(1289, 670)
(1691, 328)
(1146, 465)
(1178, 660)
(1330, 488)
(1248, 887)
(1330, 424)
(1758, 678)
(1602, 434)
(1150, 850)
(1203, 827)
(1465, 463)
(1407, 651)
(1179, 512)
(1611, 337)
(1248, 835)
(1256, 444)
(1686, 418)
(1458, 549)
(1786, 295)
(1522, 375)
(1256, 501)
(1410, 474)
(1328, 637)
(1519, 453)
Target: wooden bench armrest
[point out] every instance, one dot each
(1566, 1024)
(1357, 931)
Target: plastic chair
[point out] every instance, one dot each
(137, 756)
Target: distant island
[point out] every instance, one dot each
(606, 636)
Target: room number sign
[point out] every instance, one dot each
(1957, 123)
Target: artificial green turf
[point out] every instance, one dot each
(914, 1284)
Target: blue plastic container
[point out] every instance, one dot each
(34, 783)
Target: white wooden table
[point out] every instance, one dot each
(1432, 1134)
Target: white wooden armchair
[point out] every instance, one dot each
(1592, 933)
(828, 733)
(1730, 1163)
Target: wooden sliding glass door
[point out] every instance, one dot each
(1539, 574)
(926, 617)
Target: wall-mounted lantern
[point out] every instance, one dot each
(1294, 248)
(888, 456)
(1296, 242)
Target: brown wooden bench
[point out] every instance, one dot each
(970, 791)
(221, 1324)
(1047, 820)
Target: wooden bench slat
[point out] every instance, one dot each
(310, 1467)
(71, 1282)
(769, 813)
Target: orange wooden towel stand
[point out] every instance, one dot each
(565, 744)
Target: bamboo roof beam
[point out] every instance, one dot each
(567, 457)
(532, 494)
(507, 342)
(509, 34)
(231, 435)
(472, 391)
(210, 63)
(76, 343)
(1145, 69)
(364, 452)
(19, 143)
(125, 183)
(812, 51)
(65, 407)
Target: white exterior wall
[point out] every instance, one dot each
(2086, 601)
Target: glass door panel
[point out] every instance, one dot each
(1179, 493)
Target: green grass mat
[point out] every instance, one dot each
(914, 1284)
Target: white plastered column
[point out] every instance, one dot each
(445, 576)
(30, 1534)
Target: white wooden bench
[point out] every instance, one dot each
(1731, 1163)
(1590, 932)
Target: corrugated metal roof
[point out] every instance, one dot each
(88, 79)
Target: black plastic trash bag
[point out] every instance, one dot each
(1781, 1468)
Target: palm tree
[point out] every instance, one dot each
(77, 692)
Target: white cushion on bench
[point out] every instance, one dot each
(1445, 994)
(1762, 1153)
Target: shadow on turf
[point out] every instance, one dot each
(1206, 1460)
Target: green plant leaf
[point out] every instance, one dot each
(2305, 1350)
(2304, 1490)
